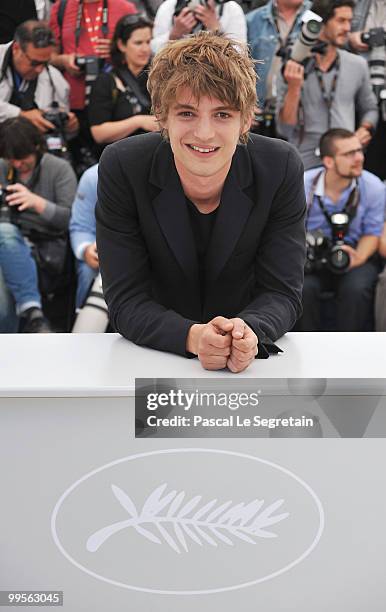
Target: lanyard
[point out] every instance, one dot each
(328, 98)
(275, 14)
(78, 28)
(350, 208)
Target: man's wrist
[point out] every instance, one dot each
(193, 338)
(40, 204)
(369, 127)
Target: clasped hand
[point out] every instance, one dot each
(224, 343)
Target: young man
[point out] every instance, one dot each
(201, 239)
(343, 186)
(337, 89)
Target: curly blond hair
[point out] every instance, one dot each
(209, 65)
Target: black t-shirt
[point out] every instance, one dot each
(202, 227)
(108, 103)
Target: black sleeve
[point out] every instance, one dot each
(125, 263)
(280, 261)
(101, 106)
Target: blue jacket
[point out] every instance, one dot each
(263, 39)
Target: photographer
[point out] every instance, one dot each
(83, 30)
(368, 38)
(120, 103)
(271, 28)
(343, 260)
(178, 18)
(335, 92)
(28, 86)
(37, 193)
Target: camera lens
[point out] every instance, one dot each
(339, 260)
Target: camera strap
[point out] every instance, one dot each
(275, 14)
(328, 98)
(78, 27)
(132, 86)
(350, 208)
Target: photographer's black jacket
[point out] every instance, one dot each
(255, 259)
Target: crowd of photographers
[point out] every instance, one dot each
(73, 79)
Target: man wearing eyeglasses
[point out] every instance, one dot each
(347, 202)
(28, 86)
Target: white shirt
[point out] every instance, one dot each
(41, 9)
(232, 22)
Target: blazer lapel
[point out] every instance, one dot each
(232, 215)
(173, 217)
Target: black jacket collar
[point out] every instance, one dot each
(172, 214)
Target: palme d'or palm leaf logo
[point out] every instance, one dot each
(169, 518)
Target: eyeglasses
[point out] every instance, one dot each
(34, 63)
(352, 153)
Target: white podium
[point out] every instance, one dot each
(123, 523)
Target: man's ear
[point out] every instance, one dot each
(246, 126)
(328, 162)
(16, 46)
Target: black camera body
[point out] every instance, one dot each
(89, 64)
(57, 118)
(323, 252)
(56, 138)
(7, 213)
(375, 37)
(192, 4)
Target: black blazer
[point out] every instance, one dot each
(147, 254)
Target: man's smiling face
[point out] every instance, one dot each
(203, 134)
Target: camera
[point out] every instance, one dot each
(192, 4)
(375, 38)
(323, 252)
(89, 64)
(56, 138)
(6, 213)
(304, 45)
(94, 316)
(57, 118)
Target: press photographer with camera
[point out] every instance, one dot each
(336, 93)
(83, 30)
(368, 38)
(271, 28)
(37, 190)
(345, 212)
(29, 87)
(120, 103)
(176, 19)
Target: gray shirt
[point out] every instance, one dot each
(353, 95)
(56, 183)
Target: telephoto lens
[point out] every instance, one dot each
(308, 37)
